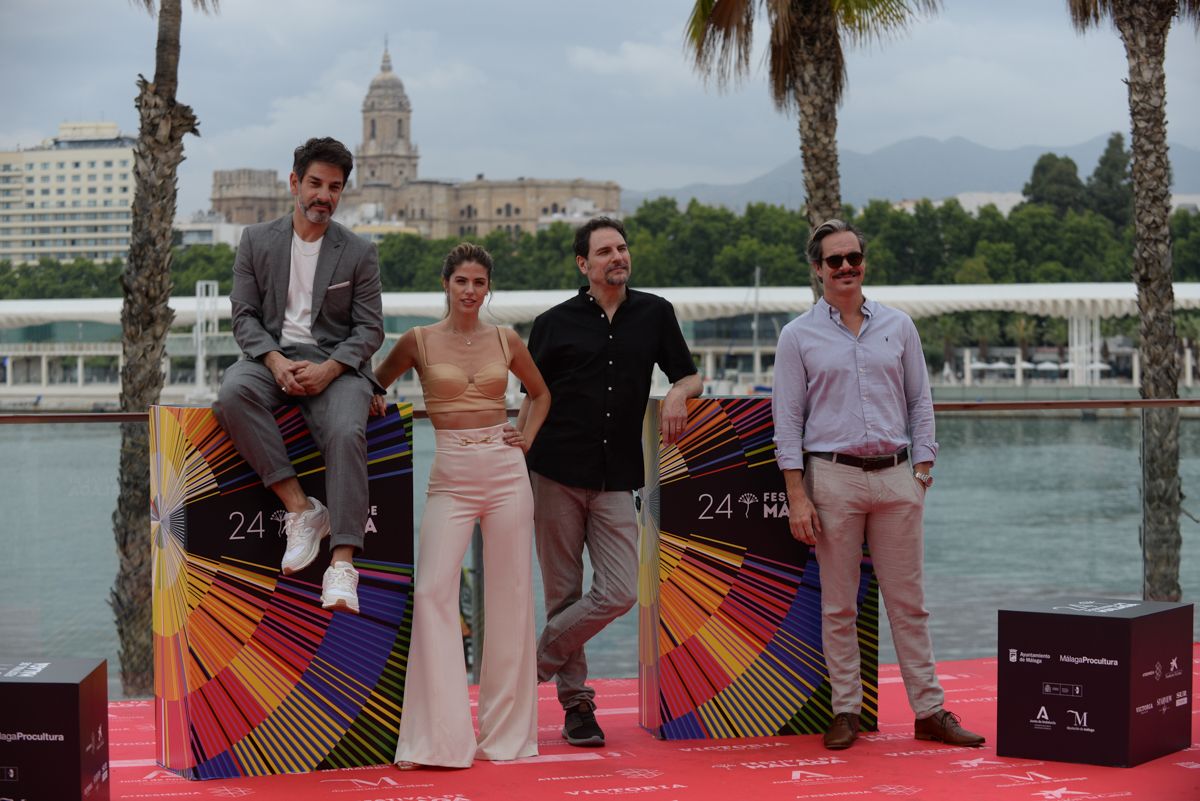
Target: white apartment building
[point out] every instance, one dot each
(69, 197)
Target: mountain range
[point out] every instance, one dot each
(911, 169)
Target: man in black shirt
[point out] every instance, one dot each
(597, 352)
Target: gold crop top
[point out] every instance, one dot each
(448, 389)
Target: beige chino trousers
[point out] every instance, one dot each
(884, 509)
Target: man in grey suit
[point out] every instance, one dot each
(308, 316)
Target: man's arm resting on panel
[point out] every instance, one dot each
(673, 412)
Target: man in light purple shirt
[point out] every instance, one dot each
(854, 437)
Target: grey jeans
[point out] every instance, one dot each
(565, 520)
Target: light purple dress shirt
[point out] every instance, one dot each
(865, 395)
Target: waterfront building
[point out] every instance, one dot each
(67, 350)
(387, 189)
(207, 228)
(246, 196)
(71, 197)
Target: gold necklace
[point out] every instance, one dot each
(464, 337)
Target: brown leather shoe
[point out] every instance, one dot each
(842, 732)
(944, 727)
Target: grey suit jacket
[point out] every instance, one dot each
(347, 302)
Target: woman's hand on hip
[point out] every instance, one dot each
(515, 438)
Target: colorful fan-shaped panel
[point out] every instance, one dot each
(730, 640)
(252, 676)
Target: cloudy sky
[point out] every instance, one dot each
(561, 88)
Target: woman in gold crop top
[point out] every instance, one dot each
(478, 472)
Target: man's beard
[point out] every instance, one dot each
(317, 213)
(617, 277)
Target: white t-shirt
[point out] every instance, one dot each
(297, 317)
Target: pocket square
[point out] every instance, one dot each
(342, 285)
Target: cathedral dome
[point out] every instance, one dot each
(387, 90)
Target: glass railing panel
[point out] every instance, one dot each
(1024, 507)
(58, 490)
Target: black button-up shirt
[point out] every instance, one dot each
(598, 372)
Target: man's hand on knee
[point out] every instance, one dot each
(314, 378)
(284, 371)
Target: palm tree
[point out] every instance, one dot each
(983, 329)
(949, 331)
(1054, 332)
(1143, 26)
(1021, 328)
(807, 66)
(145, 319)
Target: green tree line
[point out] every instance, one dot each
(1067, 229)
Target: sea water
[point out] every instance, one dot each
(1022, 508)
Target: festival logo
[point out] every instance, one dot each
(719, 506)
(746, 500)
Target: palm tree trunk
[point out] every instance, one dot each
(819, 72)
(145, 320)
(1143, 26)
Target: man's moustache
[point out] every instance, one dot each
(846, 274)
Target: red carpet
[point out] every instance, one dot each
(889, 764)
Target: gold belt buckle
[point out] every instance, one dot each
(484, 441)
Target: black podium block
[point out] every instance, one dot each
(53, 729)
(1094, 680)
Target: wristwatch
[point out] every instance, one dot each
(924, 478)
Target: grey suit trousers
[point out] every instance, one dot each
(337, 419)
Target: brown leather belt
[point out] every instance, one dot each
(866, 463)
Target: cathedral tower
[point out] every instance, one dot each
(387, 157)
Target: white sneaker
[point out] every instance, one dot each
(305, 530)
(339, 588)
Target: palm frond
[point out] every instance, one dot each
(719, 35)
(878, 20)
(1190, 10)
(1087, 14)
